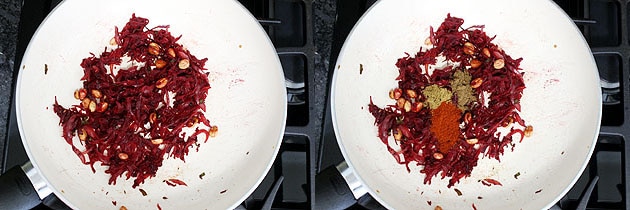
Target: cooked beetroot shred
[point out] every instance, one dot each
(131, 115)
(174, 182)
(489, 182)
(169, 183)
(144, 193)
(495, 74)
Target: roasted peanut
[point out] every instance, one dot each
(123, 156)
(160, 63)
(213, 131)
(80, 93)
(92, 106)
(475, 83)
(161, 83)
(184, 64)
(171, 52)
(85, 103)
(82, 134)
(474, 63)
(101, 107)
(156, 141)
(528, 131)
(407, 106)
(398, 134)
(416, 107)
(97, 93)
(412, 93)
(154, 48)
(486, 52)
(469, 48)
(401, 103)
(499, 63)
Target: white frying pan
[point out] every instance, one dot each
(247, 101)
(562, 101)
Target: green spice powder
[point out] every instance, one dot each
(436, 95)
(461, 88)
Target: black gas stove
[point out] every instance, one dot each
(309, 145)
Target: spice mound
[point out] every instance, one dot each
(138, 100)
(456, 101)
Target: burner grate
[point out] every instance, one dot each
(610, 43)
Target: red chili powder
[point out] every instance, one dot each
(445, 125)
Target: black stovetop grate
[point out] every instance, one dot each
(606, 31)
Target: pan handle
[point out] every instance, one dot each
(16, 190)
(22, 187)
(38, 182)
(339, 188)
(332, 191)
(358, 190)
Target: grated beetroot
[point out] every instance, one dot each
(490, 182)
(175, 182)
(130, 119)
(495, 72)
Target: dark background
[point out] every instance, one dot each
(9, 19)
